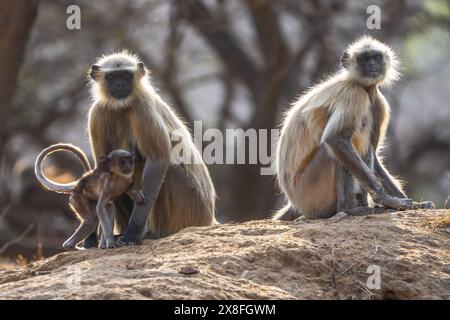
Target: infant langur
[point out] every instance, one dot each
(91, 197)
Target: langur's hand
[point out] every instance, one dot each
(392, 202)
(140, 198)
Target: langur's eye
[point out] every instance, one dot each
(110, 77)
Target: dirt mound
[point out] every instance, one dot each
(257, 260)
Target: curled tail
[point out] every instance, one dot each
(287, 213)
(51, 185)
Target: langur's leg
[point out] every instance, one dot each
(345, 188)
(152, 179)
(104, 209)
(361, 198)
(124, 206)
(91, 241)
(190, 209)
(346, 197)
(344, 152)
(314, 187)
(104, 242)
(360, 193)
(81, 205)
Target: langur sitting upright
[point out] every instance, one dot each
(327, 159)
(128, 113)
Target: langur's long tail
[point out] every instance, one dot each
(51, 185)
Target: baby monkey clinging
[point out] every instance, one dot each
(91, 197)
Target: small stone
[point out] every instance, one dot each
(338, 216)
(185, 242)
(188, 270)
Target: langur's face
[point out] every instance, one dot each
(119, 83)
(371, 64)
(125, 164)
(122, 162)
(117, 77)
(119, 162)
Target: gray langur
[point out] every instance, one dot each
(128, 113)
(327, 154)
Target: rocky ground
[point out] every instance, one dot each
(326, 259)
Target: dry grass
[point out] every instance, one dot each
(444, 222)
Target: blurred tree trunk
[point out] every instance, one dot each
(252, 195)
(16, 20)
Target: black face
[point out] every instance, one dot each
(119, 83)
(125, 164)
(371, 64)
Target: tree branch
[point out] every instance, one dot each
(16, 20)
(223, 43)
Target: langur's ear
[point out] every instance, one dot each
(141, 69)
(94, 72)
(345, 59)
(103, 164)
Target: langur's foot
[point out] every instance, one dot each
(424, 205)
(126, 241)
(107, 243)
(69, 245)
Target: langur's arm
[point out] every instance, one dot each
(152, 179)
(380, 117)
(392, 189)
(342, 149)
(136, 195)
(98, 141)
(386, 180)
